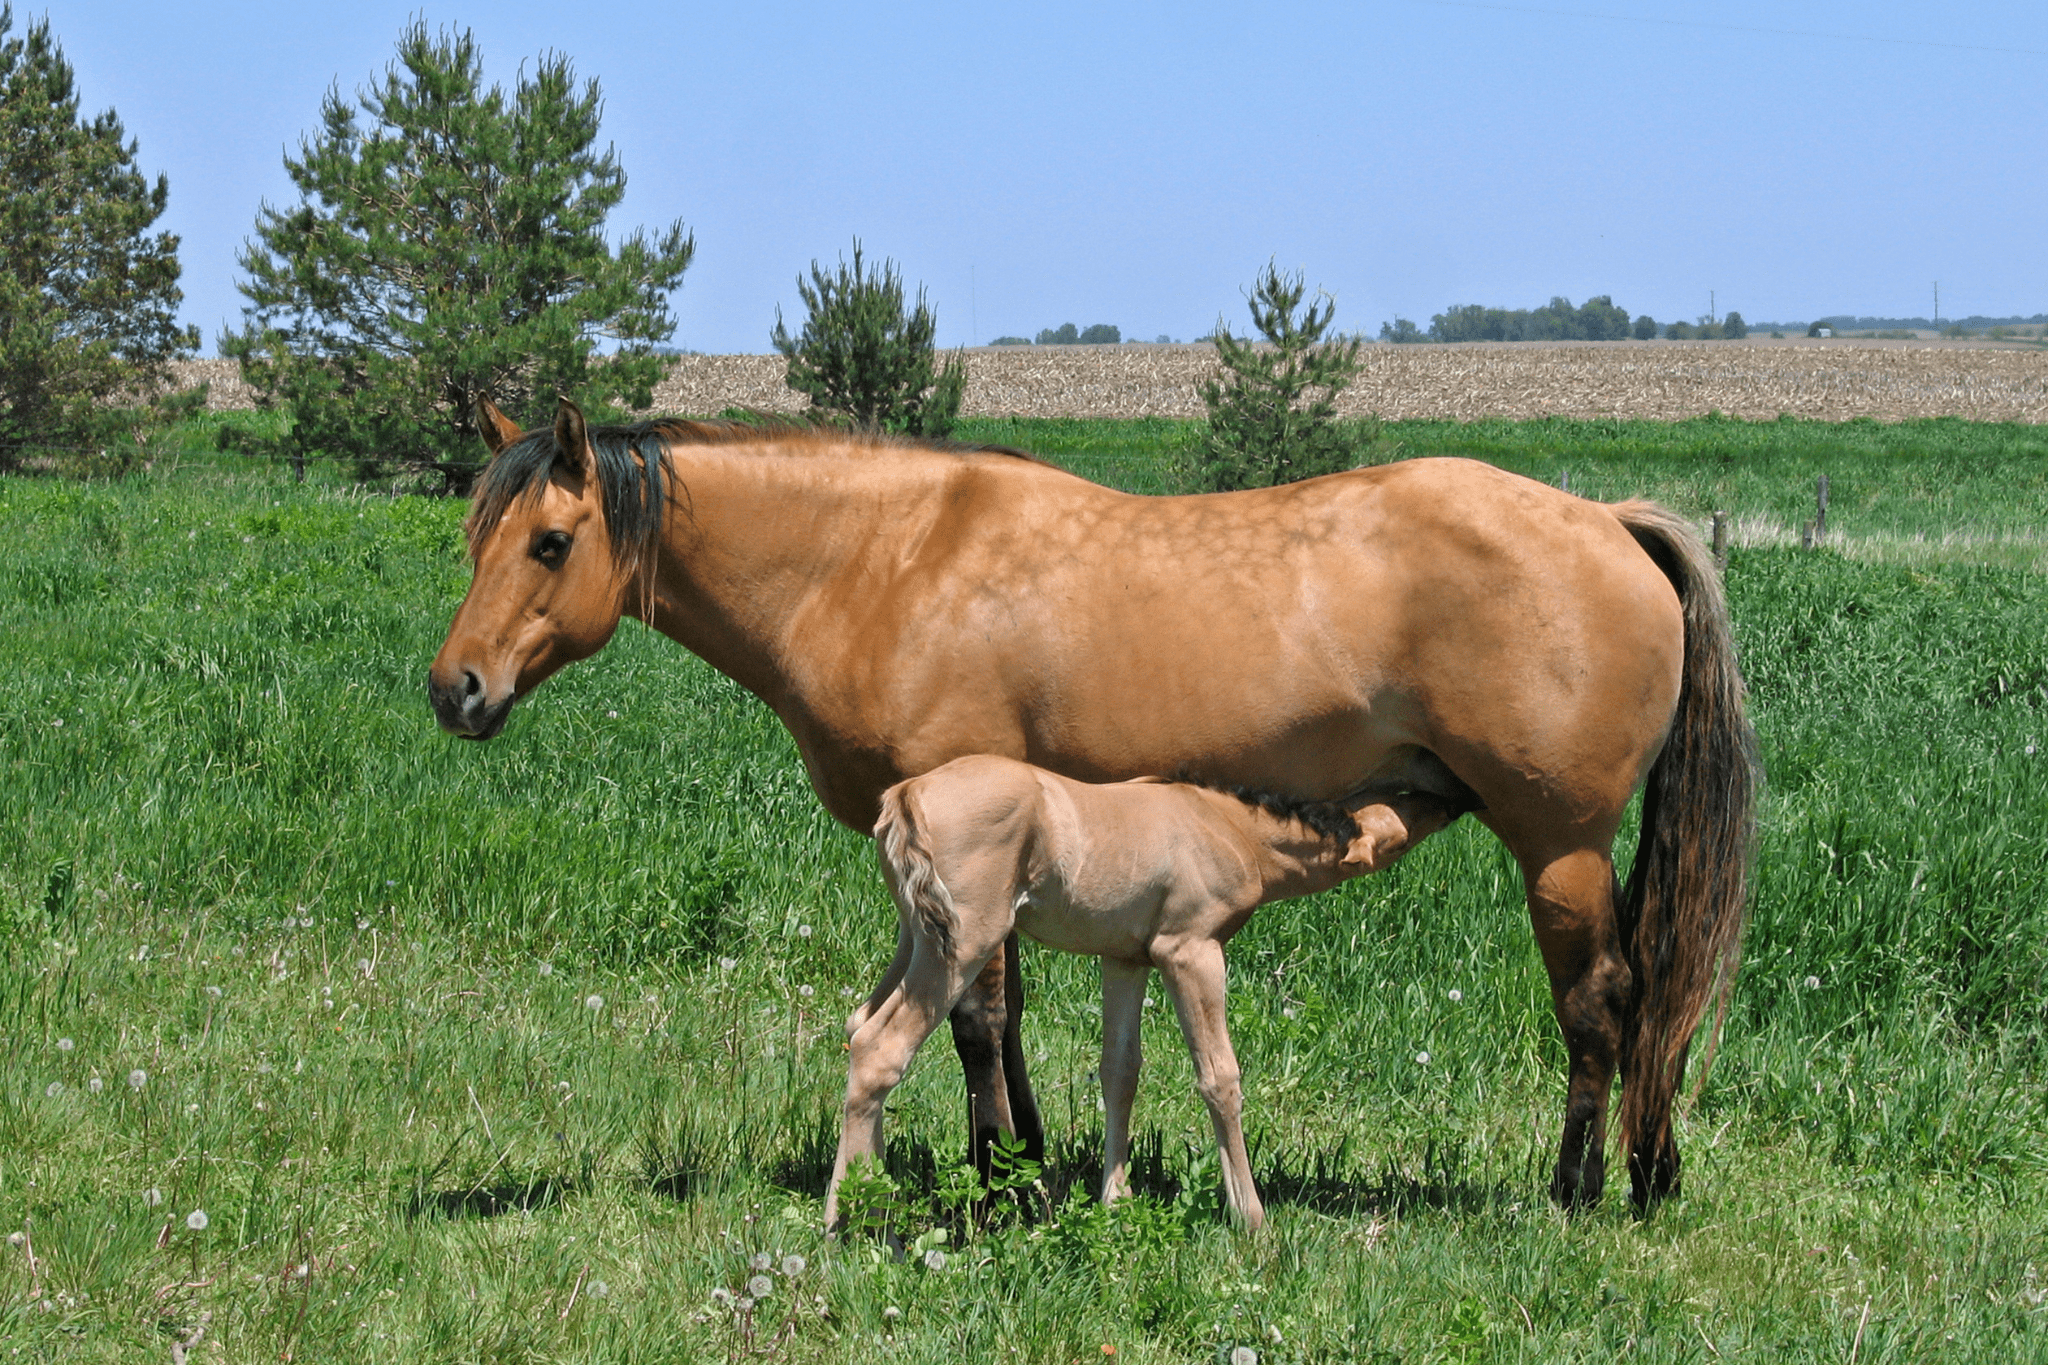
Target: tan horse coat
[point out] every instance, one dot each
(1138, 874)
(1434, 627)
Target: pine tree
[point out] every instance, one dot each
(861, 355)
(449, 244)
(88, 295)
(1266, 425)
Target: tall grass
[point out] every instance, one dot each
(356, 962)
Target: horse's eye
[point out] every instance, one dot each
(552, 548)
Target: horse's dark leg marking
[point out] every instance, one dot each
(979, 1021)
(1571, 905)
(1017, 1079)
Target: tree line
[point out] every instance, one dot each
(1597, 319)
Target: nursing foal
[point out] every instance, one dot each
(1141, 874)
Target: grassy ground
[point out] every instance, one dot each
(526, 1051)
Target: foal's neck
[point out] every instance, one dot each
(1293, 858)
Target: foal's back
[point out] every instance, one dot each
(1096, 869)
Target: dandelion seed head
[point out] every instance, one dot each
(761, 1261)
(892, 1312)
(611, 715)
(546, 969)
(363, 965)
(744, 1304)
(562, 1088)
(137, 1078)
(64, 1045)
(760, 1286)
(805, 991)
(935, 1259)
(361, 924)
(1244, 1355)
(793, 1266)
(95, 1085)
(213, 991)
(305, 921)
(151, 1198)
(54, 1089)
(1813, 983)
(726, 964)
(1287, 1011)
(15, 1239)
(599, 1290)
(1422, 1059)
(196, 1220)
(804, 930)
(721, 1295)
(391, 881)
(1456, 995)
(593, 1003)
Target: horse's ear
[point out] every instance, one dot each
(572, 438)
(497, 429)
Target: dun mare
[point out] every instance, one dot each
(1139, 874)
(1435, 629)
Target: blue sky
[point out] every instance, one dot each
(1137, 164)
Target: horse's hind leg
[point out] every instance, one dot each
(880, 1051)
(1571, 905)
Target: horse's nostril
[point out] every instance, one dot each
(472, 685)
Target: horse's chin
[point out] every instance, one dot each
(490, 725)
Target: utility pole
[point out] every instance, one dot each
(1711, 315)
(1937, 305)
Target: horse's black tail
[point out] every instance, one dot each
(1682, 914)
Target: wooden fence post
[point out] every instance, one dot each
(1820, 519)
(1721, 540)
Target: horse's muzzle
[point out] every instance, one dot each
(463, 706)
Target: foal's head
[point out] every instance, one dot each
(550, 582)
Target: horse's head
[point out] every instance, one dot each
(548, 588)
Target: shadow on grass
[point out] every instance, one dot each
(489, 1201)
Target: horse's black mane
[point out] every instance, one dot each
(629, 453)
(1327, 818)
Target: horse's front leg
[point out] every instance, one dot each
(991, 1048)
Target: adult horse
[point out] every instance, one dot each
(1433, 628)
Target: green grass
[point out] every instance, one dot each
(410, 1096)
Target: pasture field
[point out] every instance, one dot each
(531, 1050)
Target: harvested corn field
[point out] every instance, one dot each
(1661, 380)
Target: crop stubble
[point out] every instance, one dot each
(1831, 381)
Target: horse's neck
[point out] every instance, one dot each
(769, 556)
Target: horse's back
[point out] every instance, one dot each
(1307, 638)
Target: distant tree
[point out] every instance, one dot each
(450, 245)
(1011, 341)
(1597, 319)
(88, 295)
(1062, 335)
(1101, 334)
(862, 355)
(1402, 332)
(1162, 340)
(1645, 328)
(1733, 327)
(1267, 425)
(1681, 331)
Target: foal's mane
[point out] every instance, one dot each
(629, 453)
(1328, 818)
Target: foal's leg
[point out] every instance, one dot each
(1024, 1120)
(890, 979)
(1193, 971)
(1123, 997)
(1571, 905)
(881, 1049)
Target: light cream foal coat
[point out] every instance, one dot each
(1140, 874)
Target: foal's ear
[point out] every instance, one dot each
(497, 429)
(572, 438)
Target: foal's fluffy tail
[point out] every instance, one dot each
(1681, 918)
(909, 857)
